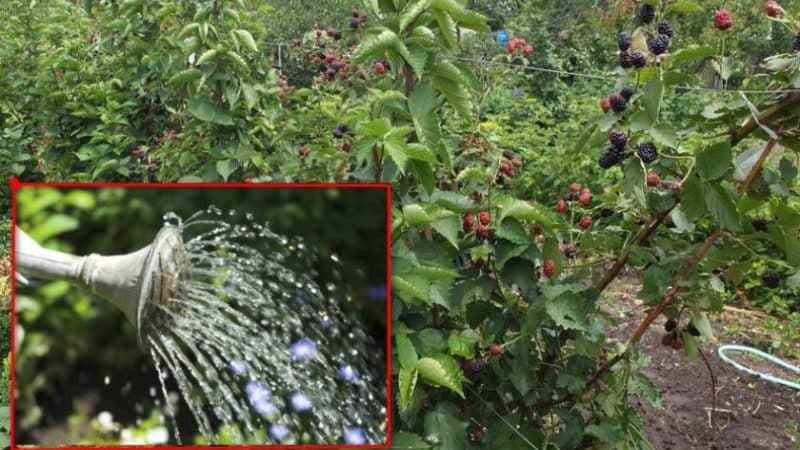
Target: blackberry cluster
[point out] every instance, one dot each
(624, 41)
(692, 330)
(639, 60)
(796, 45)
(606, 212)
(658, 45)
(646, 13)
(478, 365)
(627, 93)
(771, 280)
(611, 157)
(665, 29)
(340, 131)
(617, 138)
(618, 103)
(625, 60)
(670, 325)
(647, 152)
(760, 225)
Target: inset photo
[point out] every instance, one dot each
(196, 314)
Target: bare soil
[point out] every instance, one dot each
(750, 413)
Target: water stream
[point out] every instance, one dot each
(254, 344)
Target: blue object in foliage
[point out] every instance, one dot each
(278, 431)
(376, 291)
(501, 36)
(300, 402)
(304, 350)
(348, 373)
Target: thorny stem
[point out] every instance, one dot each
(713, 395)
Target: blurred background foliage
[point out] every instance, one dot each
(71, 341)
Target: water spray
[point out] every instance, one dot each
(147, 277)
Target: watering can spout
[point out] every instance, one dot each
(129, 281)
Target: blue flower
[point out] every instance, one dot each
(266, 408)
(304, 350)
(348, 373)
(300, 402)
(238, 367)
(501, 36)
(354, 436)
(257, 392)
(278, 431)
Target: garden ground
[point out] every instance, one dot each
(751, 413)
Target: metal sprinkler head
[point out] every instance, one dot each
(135, 282)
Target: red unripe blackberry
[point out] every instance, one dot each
(482, 232)
(618, 104)
(484, 217)
(653, 180)
(354, 13)
(561, 206)
(380, 69)
(516, 162)
(468, 222)
(347, 146)
(574, 187)
(316, 60)
(617, 138)
(623, 41)
(585, 198)
(771, 279)
(549, 268)
(772, 8)
(605, 103)
(586, 222)
(496, 349)
(639, 60)
(330, 58)
(658, 45)
(666, 340)
(722, 19)
(676, 344)
(760, 225)
(665, 29)
(646, 13)
(670, 325)
(586, 190)
(647, 152)
(527, 50)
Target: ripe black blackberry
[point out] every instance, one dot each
(665, 29)
(796, 45)
(624, 40)
(638, 58)
(692, 330)
(569, 197)
(647, 152)
(771, 279)
(670, 325)
(617, 138)
(610, 157)
(625, 60)
(760, 225)
(658, 45)
(606, 212)
(618, 103)
(646, 13)
(478, 365)
(627, 93)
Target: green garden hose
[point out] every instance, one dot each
(764, 376)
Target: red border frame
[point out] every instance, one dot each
(16, 184)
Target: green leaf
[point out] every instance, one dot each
(206, 111)
(664, 135)
(448, 227)
(605, 432)
(522, 210)
(406, 353)
(415, 216)
(692, 53)
(54, 225)
(465, 17)
(246, 39)
(634, 181)
(443, 426)
(567, 311)
(375, 44)
(411, 12)
(692, 201)
(185, 76)
(463, 344)
(652, 97)
(422, 104)
(441, 370)
(408, 441)
(410, 288)
(722, 207)
(206, 56)
(406, 382)
(715, 161)
(448, 28)
(226, 167)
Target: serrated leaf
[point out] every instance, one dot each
(435, 273)
(448, 227)
(184, 76)
(448, 28)
(567, 311)
(691, 53)
(415, 216)
(652, 97)
(634, 181)
(206, 56)
(411, 12)
(206, 111)
(422, 104)
(721, 206)
(374, 45)
(441, 370)
(715, 161)
(412, 288)
(226, 167)
(406, 353)
(246, 39)
(443, 426)
(664, 135)
(463, 16)
(463, 344)
(522, 210)
(406, 382)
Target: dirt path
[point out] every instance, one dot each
(751, 414)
